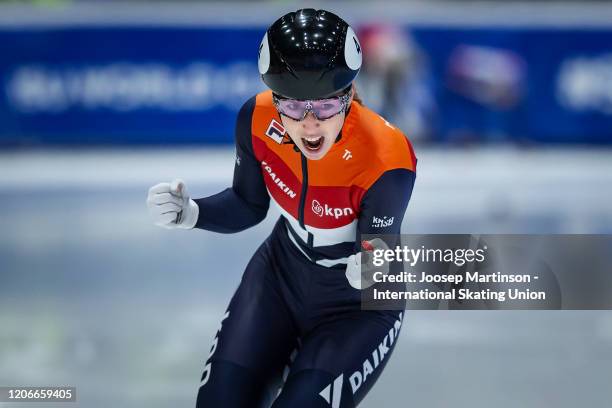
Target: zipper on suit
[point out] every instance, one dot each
(303, 197)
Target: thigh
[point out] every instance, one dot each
(253, 344)
(339, 362)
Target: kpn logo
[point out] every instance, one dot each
(325, 210)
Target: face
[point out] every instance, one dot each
(312, 136)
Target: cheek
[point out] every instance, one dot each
(291, 126)
(334, 125)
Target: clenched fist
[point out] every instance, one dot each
(170, 206)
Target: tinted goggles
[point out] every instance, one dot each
(322, 109)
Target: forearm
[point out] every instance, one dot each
(227, 212)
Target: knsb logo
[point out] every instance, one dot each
(326, 210)
(382, 222)
(333, 392)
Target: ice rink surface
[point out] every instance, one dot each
(93, 295)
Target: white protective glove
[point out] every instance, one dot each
(170, 206)
(360, 269)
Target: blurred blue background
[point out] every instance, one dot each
(509, 106)
(158, 82)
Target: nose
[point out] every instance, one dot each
(310, 121)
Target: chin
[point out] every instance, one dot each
(314, 156)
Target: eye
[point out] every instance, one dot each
(327, 106)
(292, 106)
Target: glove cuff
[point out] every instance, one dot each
(190, 215)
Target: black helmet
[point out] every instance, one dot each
(309, 54)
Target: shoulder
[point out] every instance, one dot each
(260, 120)
(258, 108)
(383, 146)
(260, 129)
(254, 117)
(387, 145)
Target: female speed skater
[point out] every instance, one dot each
(294, 333)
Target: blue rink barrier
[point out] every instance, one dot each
(170, 85)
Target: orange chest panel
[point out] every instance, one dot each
(325, 193)
(296, 186)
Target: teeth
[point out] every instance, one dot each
(313, 139)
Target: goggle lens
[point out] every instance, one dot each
(322, 108)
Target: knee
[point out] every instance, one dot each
(315, 388)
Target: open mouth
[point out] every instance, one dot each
(313, 144)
